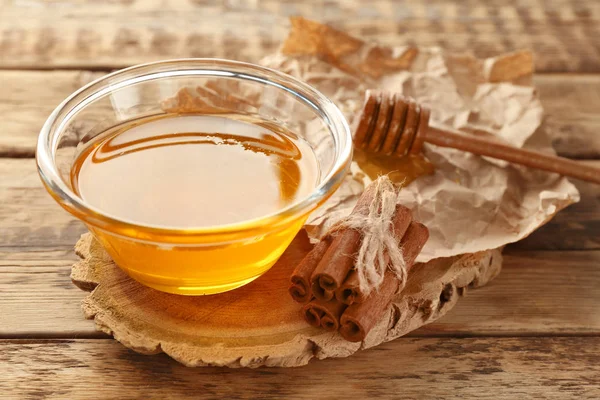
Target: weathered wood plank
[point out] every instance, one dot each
(26, 101)
(537, 293)
(38, 298)
(39, 34)
(549, 368)
(571, 103)
(576, 227)
(29, 217)
(572, 112)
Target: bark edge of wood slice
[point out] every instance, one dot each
(242, 328)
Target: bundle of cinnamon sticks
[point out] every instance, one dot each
(328, 285)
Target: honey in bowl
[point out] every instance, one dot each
(187, 172)
(192, 172)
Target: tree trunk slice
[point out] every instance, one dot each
(258, 324)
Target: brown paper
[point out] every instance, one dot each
(470, 203)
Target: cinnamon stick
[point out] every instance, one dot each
(339, 258)
(300, 288)
(359, 318)
(413, 241)
(349, 292)
(335, 264)
(324, 314)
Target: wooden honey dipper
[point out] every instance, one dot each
(391, 124)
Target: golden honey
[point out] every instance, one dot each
(401, 170)
(192, 172)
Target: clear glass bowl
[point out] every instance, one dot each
(202, 260)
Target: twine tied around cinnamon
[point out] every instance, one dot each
(378, 238)
(373, 248)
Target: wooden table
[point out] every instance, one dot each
(534, 331)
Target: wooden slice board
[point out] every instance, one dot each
(257, 324)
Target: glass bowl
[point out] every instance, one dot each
(202, 260)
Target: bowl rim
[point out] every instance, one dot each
(331, 115)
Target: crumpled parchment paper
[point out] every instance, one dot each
(471, 203)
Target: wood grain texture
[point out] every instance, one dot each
(30, 218)
(241, 328)
(511, 368)
(537, 293)
(26, 101)
(37, 34)
(528, 299)
(575, 228)
(571, 105)
(572, 112)
(38, 298)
